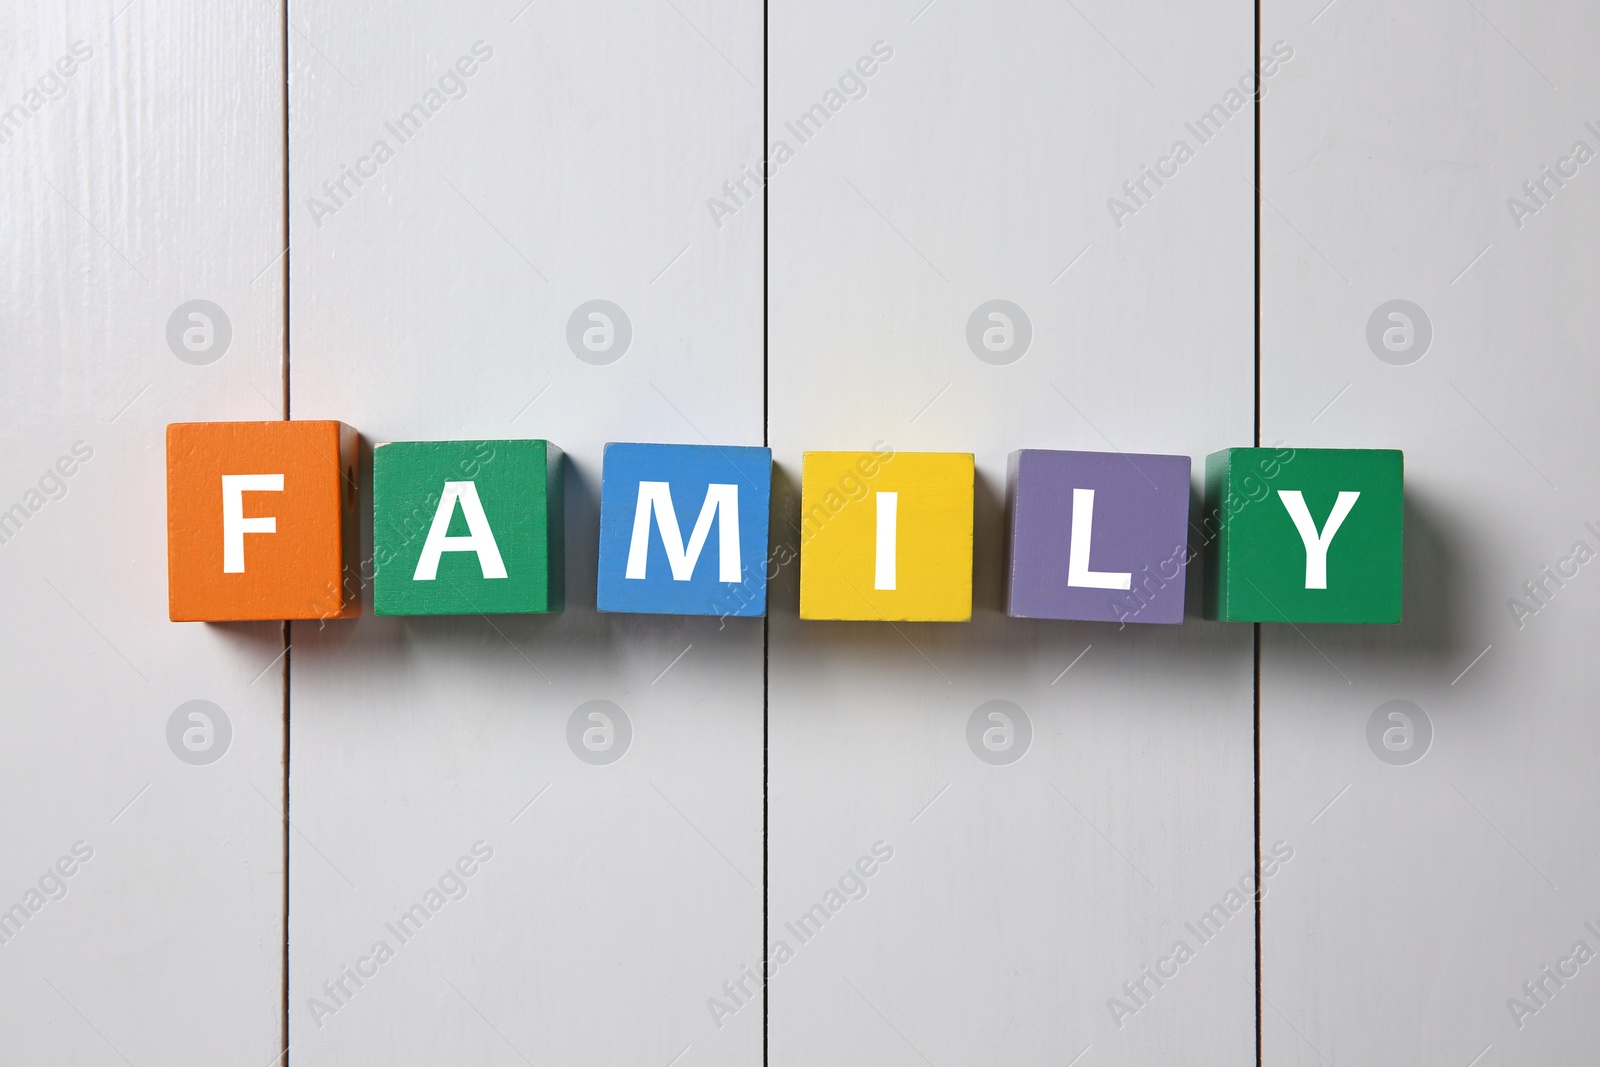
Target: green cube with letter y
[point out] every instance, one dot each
(1303, 535)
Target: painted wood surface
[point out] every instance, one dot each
(992, 228)
(1435, 778)
(1059, 798)
(141, 773)
(532, 258)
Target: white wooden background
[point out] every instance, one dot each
(760, 762)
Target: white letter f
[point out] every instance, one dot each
(234, 524)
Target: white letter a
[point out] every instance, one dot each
(480, 539)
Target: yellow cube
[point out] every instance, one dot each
(886, 536)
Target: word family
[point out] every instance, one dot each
(262, 524)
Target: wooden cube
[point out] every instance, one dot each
(1303, 535)
(261, 521)
(886, 536)
(1097, 536)
(466, 527)
(683, 529)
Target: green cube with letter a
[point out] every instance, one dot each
(466, 527)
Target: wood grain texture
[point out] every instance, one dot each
(1021, 895)
(1436, 778)
(138, 177)
(994, 226)
(534, 260)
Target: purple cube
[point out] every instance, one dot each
(1097, 536)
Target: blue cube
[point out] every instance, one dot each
(683, 529)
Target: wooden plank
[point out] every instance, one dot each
(948, 272)
(1434, 778)
(141, 183)
(532, 257)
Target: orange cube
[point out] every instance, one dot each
(261, 521)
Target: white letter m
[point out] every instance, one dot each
(722, 501)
